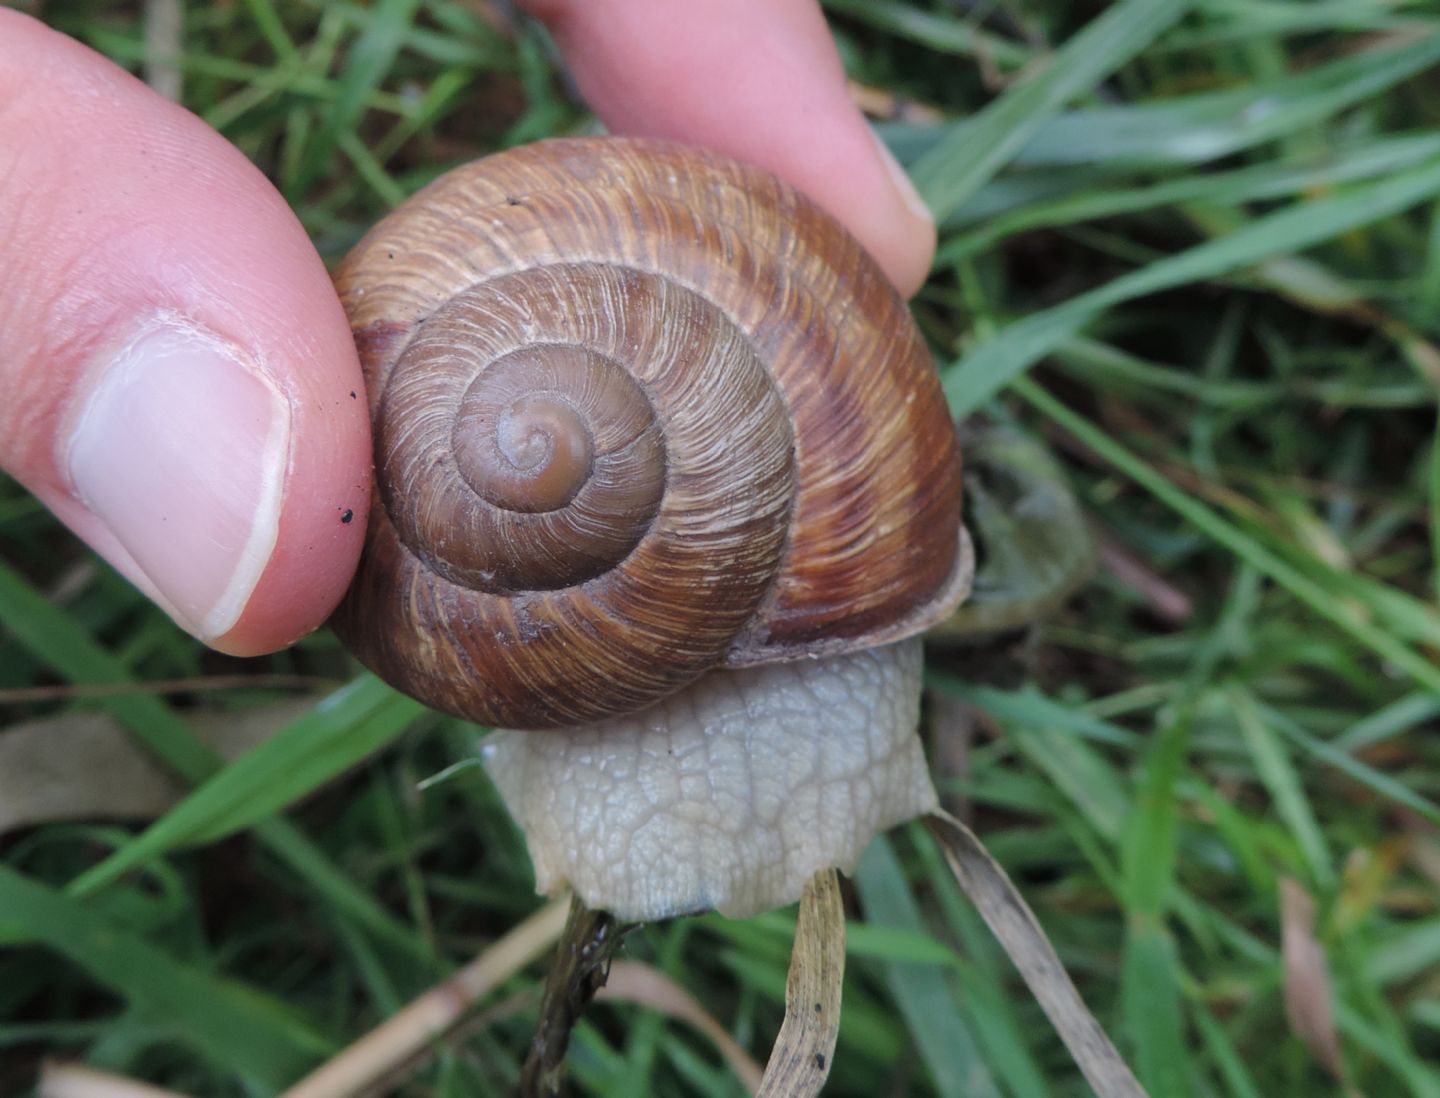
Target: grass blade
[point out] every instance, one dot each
(1279, 776)
(971, 153)
(1150, 998)
(57, 639)
(60, 641)
(1261, 182)
(1150, 984)
(235, 1027)
(1211, 125)
(923, 993)
(1319, 600)
(346, 727)
(370, 59)
(1118, 140)
(1000, 361)
(424, 1022)
(1352, 767)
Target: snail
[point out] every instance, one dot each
(666, 480)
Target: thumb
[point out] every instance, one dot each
(181, 385)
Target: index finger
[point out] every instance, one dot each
(759, 80)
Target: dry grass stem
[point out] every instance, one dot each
(434, 1014)
(76, 1081)
(164, 35)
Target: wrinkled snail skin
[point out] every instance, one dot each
(664, 467)
(729, 794)
(640, 412)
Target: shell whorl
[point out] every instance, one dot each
(639, 411)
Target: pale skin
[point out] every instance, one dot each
(177, 370)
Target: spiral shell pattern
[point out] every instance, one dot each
(639, 411)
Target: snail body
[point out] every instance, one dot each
(664, 467)
(640, 412)
(730, 793)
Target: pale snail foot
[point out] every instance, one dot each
(728, 795)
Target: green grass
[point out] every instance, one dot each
(1195, 248)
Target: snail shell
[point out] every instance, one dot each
(640, 411)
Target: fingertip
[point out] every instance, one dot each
(906, 235)
(321, 534)
(761, 81)
(874, 197)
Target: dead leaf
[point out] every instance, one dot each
(1309, 1000)
(84, 766)
(1012, 922)
(799, 1063)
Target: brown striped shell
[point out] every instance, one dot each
(640, 411)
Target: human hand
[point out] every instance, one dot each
(180, 384)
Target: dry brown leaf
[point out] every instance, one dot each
(1014, 924)
(85, 766)
(1309, 1000)
(800, 1061)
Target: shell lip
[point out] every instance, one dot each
(929, 614)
